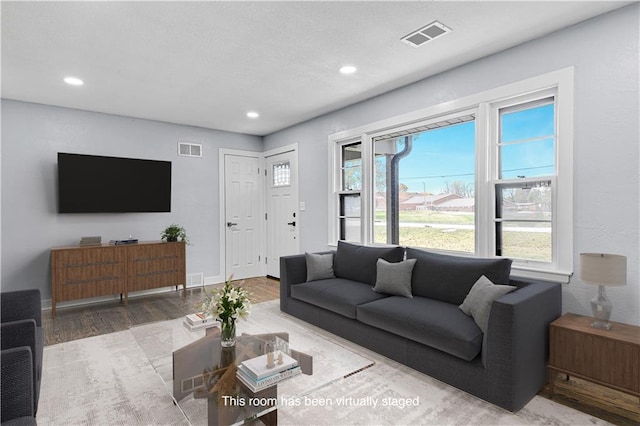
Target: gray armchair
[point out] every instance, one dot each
(22, 347)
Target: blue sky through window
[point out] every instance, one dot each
(440, 156)
(447, 154)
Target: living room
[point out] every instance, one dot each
(601, 51)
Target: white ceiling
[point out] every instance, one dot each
(208, 63)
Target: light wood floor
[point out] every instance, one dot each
(96, 319)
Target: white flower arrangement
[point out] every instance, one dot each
(228, 304)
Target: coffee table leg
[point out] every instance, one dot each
(271, 418)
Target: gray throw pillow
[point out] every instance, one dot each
(319, 266)
(478, 302)
(394, 278)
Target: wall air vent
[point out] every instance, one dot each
(188, 149)
(426, 34)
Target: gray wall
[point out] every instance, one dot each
(33, 134)
(604, 52)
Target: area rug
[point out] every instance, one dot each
(331, 360)
(124, 378)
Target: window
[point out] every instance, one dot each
(525, 181)
(485, 175)
(350, 197)
(523, 220)
(425, 185)
(281, 173)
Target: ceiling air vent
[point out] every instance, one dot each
(425, 34)
(187, 149)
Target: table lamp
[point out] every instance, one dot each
(603, 270)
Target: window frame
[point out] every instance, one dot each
(486, 105)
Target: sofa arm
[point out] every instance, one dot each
(517, 341)
(17, 383)
(18, 333)
(293, 270)
(21, 304)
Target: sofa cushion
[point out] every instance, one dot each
(478, 302)
(431, 322)
(358, 263)
(319, 266)
(450, 278)
(394, 278)
(337, 295)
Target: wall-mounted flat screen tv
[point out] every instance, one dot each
(98, 184)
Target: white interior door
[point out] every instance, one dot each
(242, 216)
(283, 220)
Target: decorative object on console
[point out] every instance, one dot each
(603, 270)
(227, 304)
(91, 241)
(173, 233)
(129, 240)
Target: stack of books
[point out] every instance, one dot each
(90, 241)
(266, 370)
(198, 321)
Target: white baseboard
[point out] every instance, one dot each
(218, 279)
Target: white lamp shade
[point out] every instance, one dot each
(603, 269)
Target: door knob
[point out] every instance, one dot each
(292, 223)
(230, 224)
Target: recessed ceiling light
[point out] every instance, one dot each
(253, 114)
(74, 81)
(348, 69)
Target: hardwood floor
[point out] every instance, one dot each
(96, 319)
(102, 318)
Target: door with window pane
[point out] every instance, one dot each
(282, 209)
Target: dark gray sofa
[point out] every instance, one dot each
(428, 332)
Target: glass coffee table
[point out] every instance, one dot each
(204, 378)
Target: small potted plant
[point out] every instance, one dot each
(174, 233)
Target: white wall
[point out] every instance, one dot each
(33, 134)
(604, 52)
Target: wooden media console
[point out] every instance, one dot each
(103, 270)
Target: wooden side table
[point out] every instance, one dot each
(606, 357)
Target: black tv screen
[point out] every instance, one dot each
(97, 184)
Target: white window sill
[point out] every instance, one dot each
(562, 277)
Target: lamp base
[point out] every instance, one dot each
(601, 324)
(601, 307)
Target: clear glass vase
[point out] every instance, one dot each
(228, 334)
